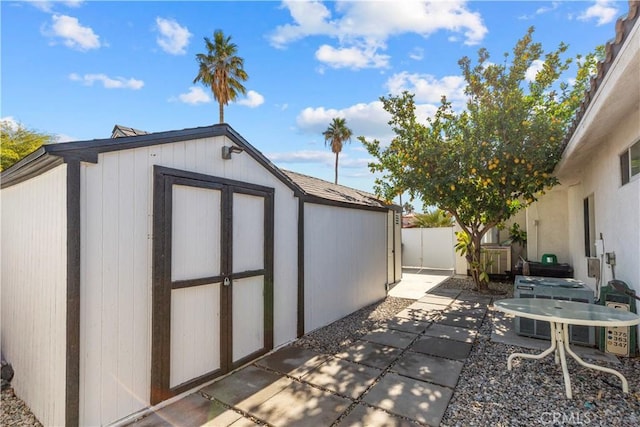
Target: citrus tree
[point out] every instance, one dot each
(483, 164)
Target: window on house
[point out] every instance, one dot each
(589, 227)
(630, 163)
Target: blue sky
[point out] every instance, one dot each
(77, 68)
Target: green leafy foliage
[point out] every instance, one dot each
(483, 164)
(18, 142)
(433, 219)
(336, 135)
(222, 70)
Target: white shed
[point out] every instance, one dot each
(140, 267)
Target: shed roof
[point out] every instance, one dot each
(315, 187)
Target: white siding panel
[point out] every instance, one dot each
(116, 291)
(248, 233)
(195, 248)
(34, 262)
(248, 316)
(345, 261)
(195, 332)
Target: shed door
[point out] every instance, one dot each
(212, 294)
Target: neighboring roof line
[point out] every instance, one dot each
(120, 131)
(623, 28)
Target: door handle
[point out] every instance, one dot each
(226, 281)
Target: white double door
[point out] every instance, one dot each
(213, 307)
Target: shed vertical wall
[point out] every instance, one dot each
(345, 261)
(116, 244)
(34, 263)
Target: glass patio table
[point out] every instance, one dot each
(560, 314)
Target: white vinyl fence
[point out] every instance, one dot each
(429, 247)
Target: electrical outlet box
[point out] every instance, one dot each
(611, 258)
(593, 267)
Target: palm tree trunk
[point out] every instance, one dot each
(336, 174)
(221, 112)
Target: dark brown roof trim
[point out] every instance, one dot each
(623, 28)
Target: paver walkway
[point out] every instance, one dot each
(402, 373)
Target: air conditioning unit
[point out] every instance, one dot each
(553, 288)
(497, 259)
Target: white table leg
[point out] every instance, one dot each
(554, 347)
(625, 384)
(560, 331)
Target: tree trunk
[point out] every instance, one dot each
(221, 112)
(474, 260)
(336, 174)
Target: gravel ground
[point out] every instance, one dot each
(15, 412)
(532, 394)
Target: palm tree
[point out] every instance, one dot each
(222, 70)
(337, 134)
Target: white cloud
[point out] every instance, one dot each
(603, 11)
(550, 7)
(303, 156)
(10, 122)
(427, 88)
(351, 57)
(367, 26)
(195, 96)
(62, 137)
(369, 119)
(173, 37)
(532, 71)
(47, 6)
(107, 82)
(252, 100)
(417, 54)
(74, 35)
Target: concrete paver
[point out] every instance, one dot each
(451, 332)
(444, 292)
(415, 399)
(417, 314)
(343, 377)
(371, 354)
(406, 325)
(194, 409)
(366, 416)
(390, 337)
(461, 321)
(436, 299)
(478, 312)
(428, 306)
(299, 404)
(442, 347)
(423, 367)
(293, 360)
(250, 383)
